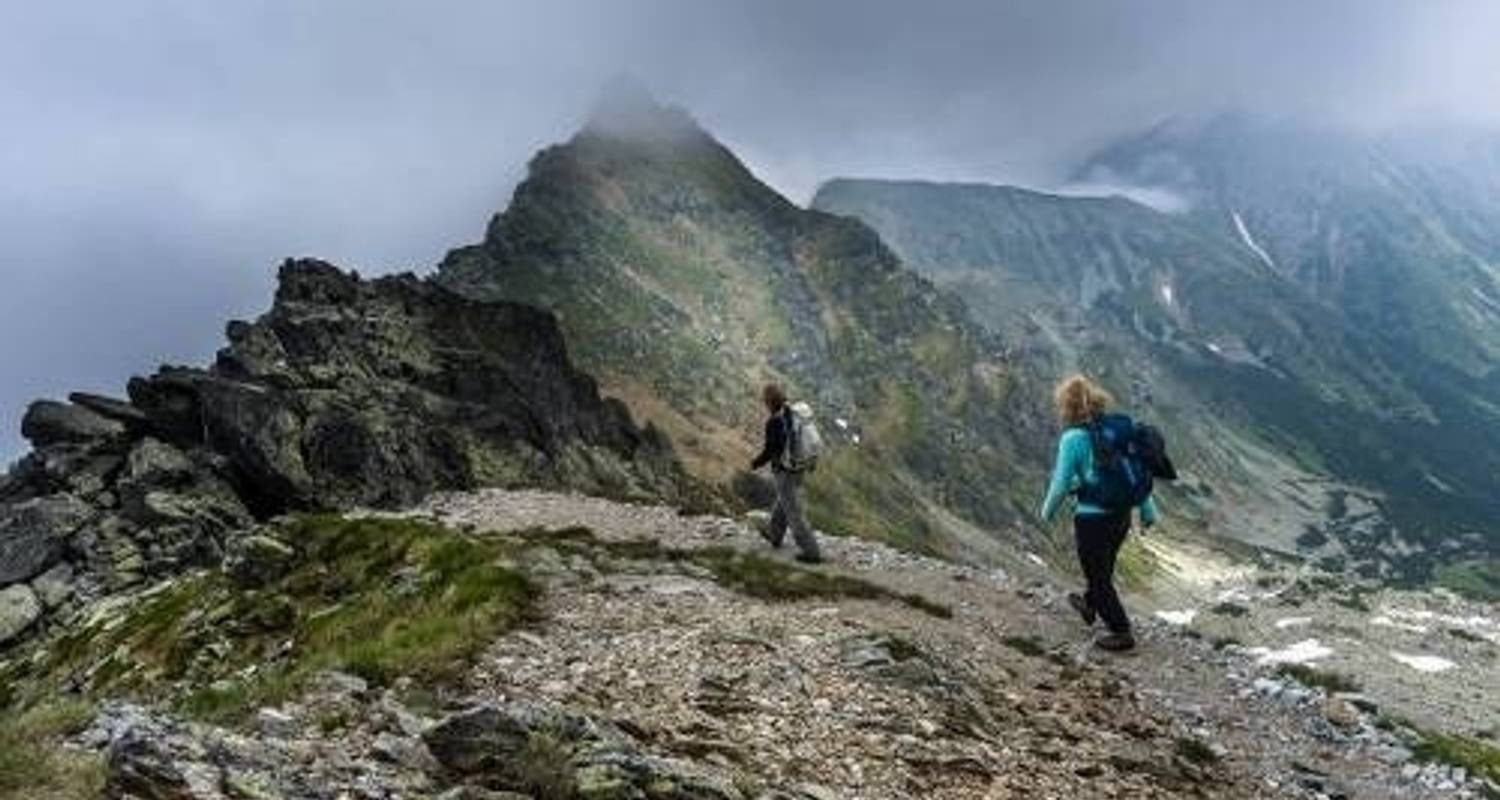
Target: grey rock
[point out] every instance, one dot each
(406, 752)
(595, 758)
(377, 393)
(276, 723)
(153, 759)
(258, 560)
(479, 793)
(118, 410)
(19, 610)
(489, 738)
(339, 684)
(50, 422)
(34, 533)
(55, 586)
(152, 464)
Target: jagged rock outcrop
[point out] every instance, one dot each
(347, 393)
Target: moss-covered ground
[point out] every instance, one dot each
(378, 598)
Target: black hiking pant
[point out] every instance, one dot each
(1099, 538)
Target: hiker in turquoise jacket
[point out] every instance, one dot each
(1099, 532)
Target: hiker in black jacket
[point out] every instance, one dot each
(787, 512)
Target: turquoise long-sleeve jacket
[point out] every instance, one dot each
(1075, 466)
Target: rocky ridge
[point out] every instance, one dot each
(651, 672)
(347, 392)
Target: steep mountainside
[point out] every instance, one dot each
(1279, 402)
(1398, 233)
(684, 282)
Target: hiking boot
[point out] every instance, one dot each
(1115, 642)
(1083, 608)
(774, 541)
(809, 558)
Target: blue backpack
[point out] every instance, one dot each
(1127, 460)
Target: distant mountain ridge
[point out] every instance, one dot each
(1209, 319)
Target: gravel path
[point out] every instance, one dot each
(873, 699)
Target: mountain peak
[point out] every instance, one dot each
(626, 109)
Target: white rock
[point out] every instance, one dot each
(1424, 663)
(19, 610)
(55, 586)
(1184, 617)
(275, 723)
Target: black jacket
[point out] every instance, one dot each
(776, 441)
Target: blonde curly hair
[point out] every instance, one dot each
(1080, 401)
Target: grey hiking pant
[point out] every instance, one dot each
(788, 513)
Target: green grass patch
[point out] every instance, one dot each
(1466, 636)
(1137, 566)
(34, 765)
(1473, 755)
(1030, 645)
(378, 598)
(1228, 609)
(1314, 678)
(752, 574)
(1195, 750)
(1477, 580)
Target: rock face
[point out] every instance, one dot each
(33, 534)
(348, 393)
(548, 751)
(377, 393)
(19, 610)
(51, 422)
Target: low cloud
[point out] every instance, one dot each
(1158, 197)
(160, 157)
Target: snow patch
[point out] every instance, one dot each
(1184, 617)
(1424, 663)
(1036, 559)
(842, 423)
(1386, 622)
(1215, 349)
(1293, 622)
(1303, 652)
(1239, 225)
(1166, 293)
(1159, 198)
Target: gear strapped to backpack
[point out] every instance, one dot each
(1128, 457)
(804, 443)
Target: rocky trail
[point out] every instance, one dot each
(652, 669)
(878, 699)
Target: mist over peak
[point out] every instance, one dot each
(627, 109)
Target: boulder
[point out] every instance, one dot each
(514, 746)
(19, 610)
(50, 422)
(34, 533)
(154, 759)
(489, 739)
(118, 410)
(258, 560)
(152, 465)
(54, 587)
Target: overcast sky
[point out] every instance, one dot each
(158, 159)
